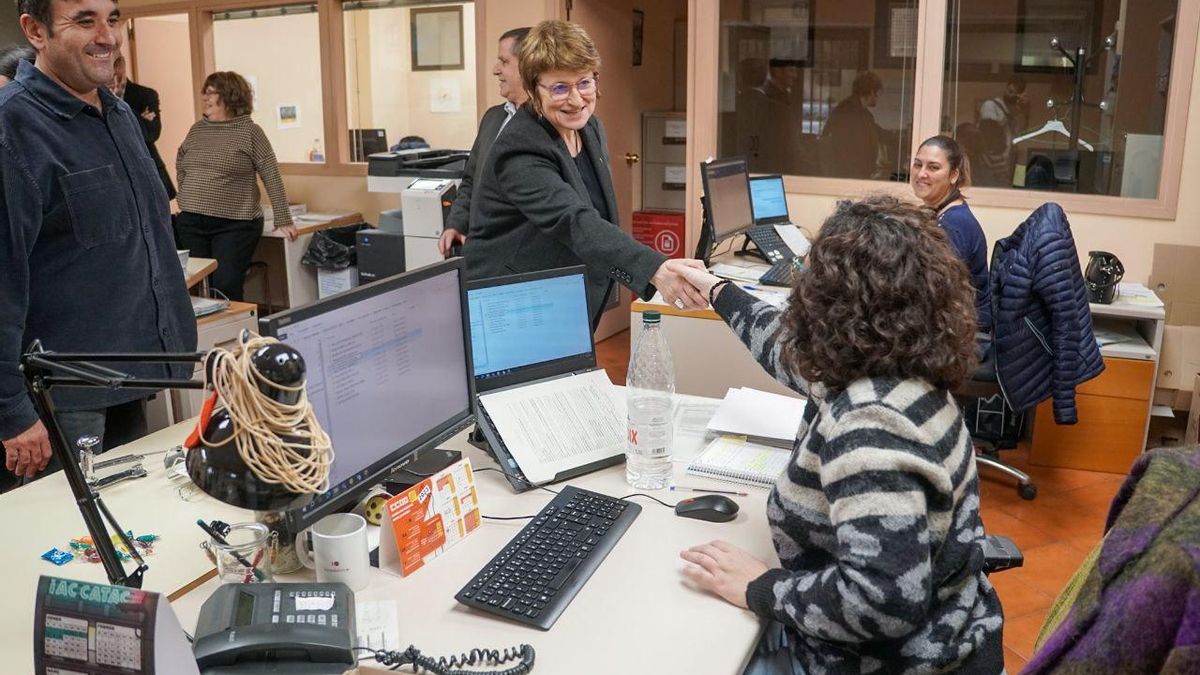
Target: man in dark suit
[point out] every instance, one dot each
(144, 102)
(493, 122)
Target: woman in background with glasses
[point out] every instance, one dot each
(218, 167)
(546, 193)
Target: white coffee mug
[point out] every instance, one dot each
(339, 550)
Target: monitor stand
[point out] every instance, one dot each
(426, 464)
(751, 252)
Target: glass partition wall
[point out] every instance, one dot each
(818, 87)
(1060, 95)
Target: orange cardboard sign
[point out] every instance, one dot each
(428, 518)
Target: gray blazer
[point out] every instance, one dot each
(461, 213)
(531, 211)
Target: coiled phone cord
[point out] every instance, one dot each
(453, 665)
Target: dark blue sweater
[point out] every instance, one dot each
(967, 238)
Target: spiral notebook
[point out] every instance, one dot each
(734, 459)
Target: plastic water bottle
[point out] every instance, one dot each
(649, 389)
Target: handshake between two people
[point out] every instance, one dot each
(684, 283)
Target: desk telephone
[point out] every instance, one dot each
(771, 248)
(307, 629)
(276, 628)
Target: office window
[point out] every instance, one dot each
(278, 50)
(1034, 114)
(818, 88)
(388, 96)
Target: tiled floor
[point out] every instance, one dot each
(1055, 531)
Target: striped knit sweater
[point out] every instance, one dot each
(216, 169)
(876, 523)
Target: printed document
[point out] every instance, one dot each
(763, 417)
(557, 425)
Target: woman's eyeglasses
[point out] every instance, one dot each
(561, 91)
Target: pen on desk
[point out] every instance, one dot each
(216, 536)
(681, 488)
(750, 287)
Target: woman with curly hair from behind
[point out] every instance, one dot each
(876, 520)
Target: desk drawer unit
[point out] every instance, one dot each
(1111, 432)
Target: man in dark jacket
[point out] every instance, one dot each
(851, 137)
(87, 257)
(493, 122)
(144, 102)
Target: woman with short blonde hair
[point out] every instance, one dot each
(560, 46)
(545, 194)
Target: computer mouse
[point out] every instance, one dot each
(713, 508)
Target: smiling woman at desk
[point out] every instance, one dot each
(876, 520)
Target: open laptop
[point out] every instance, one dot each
(529, 328)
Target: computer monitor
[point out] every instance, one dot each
(389, 374)
(727, 190)
(526, 327)
(366, 142)
(768, 201)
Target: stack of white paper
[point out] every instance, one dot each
(560, 424)
(760, 416)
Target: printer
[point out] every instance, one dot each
(427, 181)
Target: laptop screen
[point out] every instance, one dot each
(767, 199)
(529, 326)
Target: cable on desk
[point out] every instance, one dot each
(492, 468)
(642, 494)
(453, 665)
(509, 517)
(489, 468)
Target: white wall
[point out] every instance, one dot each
(280, 55)
(163, 62)
(383, 91)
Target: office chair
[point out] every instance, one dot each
(261, 267)
(984, 384)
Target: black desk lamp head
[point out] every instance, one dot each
(219, 471)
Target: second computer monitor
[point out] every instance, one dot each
(768, 199)
(726, 187)
(389, 373)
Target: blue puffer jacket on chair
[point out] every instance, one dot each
(1042, 325)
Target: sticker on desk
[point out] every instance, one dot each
(428, 518)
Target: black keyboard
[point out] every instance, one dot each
(780, 273)
(535, 577)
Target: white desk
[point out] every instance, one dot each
(635, 614)
(291, 284)
(42, 515)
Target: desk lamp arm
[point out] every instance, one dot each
(44, 370)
